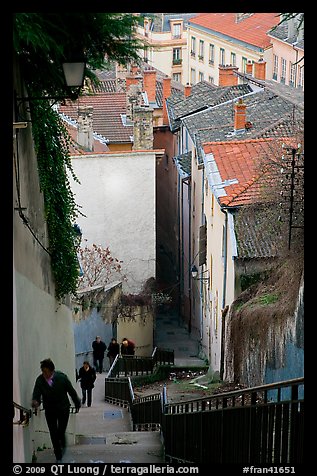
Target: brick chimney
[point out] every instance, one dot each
(149, 80)
(187, 90)
(239, 116)
(133, 94)
(259, 69)
(85, 128)
(249, 67)
(227, 76)
(167, 90)
(131, 79)
(143, 128)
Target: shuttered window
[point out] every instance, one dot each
(202, 244)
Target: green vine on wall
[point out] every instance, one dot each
(52, 148)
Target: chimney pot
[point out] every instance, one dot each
(187, 90)
(249, 67)
(239, 115)
(149, 79)
(227, 76)
(259, 69)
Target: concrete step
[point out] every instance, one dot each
(120, 447)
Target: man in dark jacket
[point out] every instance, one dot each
(99, 348)
(113, 350)
(87, 377)
(52, 388)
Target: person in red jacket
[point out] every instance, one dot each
(127, 347)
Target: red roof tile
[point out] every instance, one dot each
(107, 110)
(248, 161)
(252, 30)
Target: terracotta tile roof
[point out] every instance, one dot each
(243, 161)
(269, 114)
(107, 110)
(105, 86)
(252, 30)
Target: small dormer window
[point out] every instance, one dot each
(176, 30)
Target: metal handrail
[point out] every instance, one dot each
(25, 415)
(240, 392)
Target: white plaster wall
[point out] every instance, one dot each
(117, 196)
(215, 264)
(43, 329)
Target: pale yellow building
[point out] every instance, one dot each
(227, 39)
(165, 39)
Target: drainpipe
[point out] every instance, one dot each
(179, 200)
(189, 257)
(202, 221)
(223, 314)
(296, 62)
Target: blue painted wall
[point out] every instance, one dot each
(293, 361)
(85, 332)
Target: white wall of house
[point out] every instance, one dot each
(196, 221)
(216, 296)
(117, 196)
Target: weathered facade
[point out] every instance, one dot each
(42, 327)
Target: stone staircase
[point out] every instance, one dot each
(104, 431)
(104, 435)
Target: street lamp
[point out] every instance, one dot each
(194, 272)
(74, 74)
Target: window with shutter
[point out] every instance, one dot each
(202, 244)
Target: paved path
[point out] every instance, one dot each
(170, 333)
(104, 431)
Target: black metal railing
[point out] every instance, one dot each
(146, 412)
(134, 365)
(118, 390)
(257, 425)
(24, 415)
(163, 356)
(261, 424)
